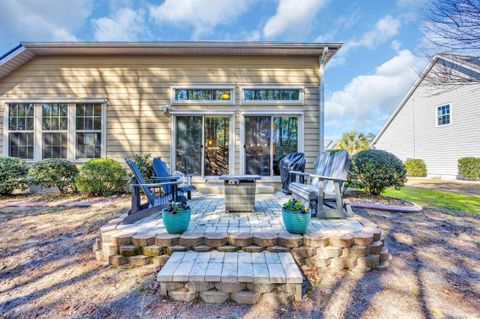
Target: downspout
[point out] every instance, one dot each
(321, 98)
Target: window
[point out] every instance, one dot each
(272, 95)
(443, 115)
(88, 130)
(54, 130)
(267, 140)
(20, 130)
(222, 95)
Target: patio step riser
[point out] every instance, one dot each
(242, 277)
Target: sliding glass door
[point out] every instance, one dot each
(188, 147)
(216, 139)
(202, 145)
(267, 140)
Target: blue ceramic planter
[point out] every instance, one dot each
(176, 223)
(296, 223)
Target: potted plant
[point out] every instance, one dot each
(296, 217)
(176, 217)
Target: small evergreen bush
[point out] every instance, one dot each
(102, 177)
(144, 163)
(58, 173)
(13, 175)
(416, 167)
(375, 170)
(469, 168)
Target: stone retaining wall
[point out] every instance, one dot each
(361, 250)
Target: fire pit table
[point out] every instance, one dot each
(240, 192)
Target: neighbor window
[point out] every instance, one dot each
(62, 130)
(203, 95)
(20, 130)
(443, 115)
(272, 95)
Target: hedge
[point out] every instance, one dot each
(469, 168)
(416, 167)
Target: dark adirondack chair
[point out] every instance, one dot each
(323, 190)
(154, 190)
(161, 172)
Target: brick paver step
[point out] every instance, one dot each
(231, 267)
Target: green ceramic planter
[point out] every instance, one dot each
(176, 223)
(296, 223)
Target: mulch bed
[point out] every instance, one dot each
(356, 196)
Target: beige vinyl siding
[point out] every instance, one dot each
(135, 88)
(414, 132)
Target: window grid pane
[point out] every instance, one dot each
(21, 145)
(271, 94)
(203, 94)
(54, 145)
(20, 117)
(54, 117)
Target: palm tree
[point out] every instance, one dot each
(353, 142)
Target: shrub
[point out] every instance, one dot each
(13, 175)
(416, 167)
(144, 164)
(469, 167)
(58, 173)
(375, 170)
(101, 177)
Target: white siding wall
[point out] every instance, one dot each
(414, 134)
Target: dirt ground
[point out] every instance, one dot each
(466, 187)
(47, 270)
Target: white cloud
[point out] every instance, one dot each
(49, 20)
(385, 28)
(395, 45)
(202, 15)
(293, 17)
(124, 25)
(378, 93)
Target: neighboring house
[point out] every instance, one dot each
(436, 125)
(207, 108)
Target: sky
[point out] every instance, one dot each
(364, 82)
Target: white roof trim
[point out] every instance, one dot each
(27, 50)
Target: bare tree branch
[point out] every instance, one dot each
(452, 30)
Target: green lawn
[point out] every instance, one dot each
(446, 201)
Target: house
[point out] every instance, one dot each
(437, 125)
(206, 108)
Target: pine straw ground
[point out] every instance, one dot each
(47, 270)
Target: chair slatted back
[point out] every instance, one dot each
(335, 164)
(161, 170)
(138, 176)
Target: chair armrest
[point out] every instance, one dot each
(169, 178)
(298, 173)
(328, 178)
(156, 185)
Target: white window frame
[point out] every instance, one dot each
(38, 129)
(301, 95)
(7, 131)
(449, 114)
(200, 87)
(272, 114)
(231, 140)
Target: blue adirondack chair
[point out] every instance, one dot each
(161, 172)
(154, 190)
